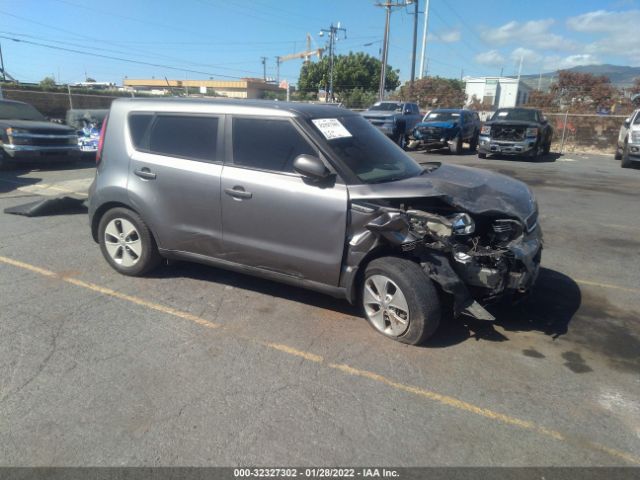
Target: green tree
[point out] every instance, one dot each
(358, 98)
(48, 83)
(434, 92)
(355, 70)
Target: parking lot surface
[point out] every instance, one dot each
(199, 366)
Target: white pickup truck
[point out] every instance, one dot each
(628, 147)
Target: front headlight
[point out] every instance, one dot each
(485, 130)
(462, 224)
(532, 132)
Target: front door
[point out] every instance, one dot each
(272, 218)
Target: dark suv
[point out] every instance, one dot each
(312, 196)
(26, 136)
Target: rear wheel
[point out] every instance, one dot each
(126, 242)
(473, 144)
(400, 300)
(535, 153)
(482, 155)
(618, 154)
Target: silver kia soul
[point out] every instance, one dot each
(311, 196)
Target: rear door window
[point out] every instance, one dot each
(185, 136)
(267, 144)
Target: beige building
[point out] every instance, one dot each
(245, 88)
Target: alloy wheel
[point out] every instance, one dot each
(122, 242)
(385, 305)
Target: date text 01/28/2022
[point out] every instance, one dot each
(315, 472)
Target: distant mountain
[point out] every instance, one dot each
(620, 76)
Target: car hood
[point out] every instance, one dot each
(378, 113)
(436, 124)
(519, 123)
(470, 189)
(33, 124)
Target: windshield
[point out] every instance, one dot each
(441, 116)
(386, 106)
(19, 111)
(365, 151)
(520, 114)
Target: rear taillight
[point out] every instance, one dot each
(103, 132)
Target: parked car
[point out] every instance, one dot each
(447, 128)
(628, 148)
(27, 136)
(623, 133)
(395, 119)
(516, 131)
(311, 196)
(87, 124)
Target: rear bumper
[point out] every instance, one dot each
(30, 153)
(503, 147)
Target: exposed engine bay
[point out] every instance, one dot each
(475, 258)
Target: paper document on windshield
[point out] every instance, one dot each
(331, 128)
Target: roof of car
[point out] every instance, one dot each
(311, 110)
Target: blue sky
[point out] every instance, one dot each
(226, 38)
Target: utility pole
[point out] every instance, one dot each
(4, 75)
(333, 32)
(264, 68)
(278, 70)
(424, 38)
(415, 44)
(388, 5)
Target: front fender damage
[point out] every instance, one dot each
(497, 256)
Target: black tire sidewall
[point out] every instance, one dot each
(421, 295)
(150, 257)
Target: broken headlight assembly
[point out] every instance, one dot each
(462, 224)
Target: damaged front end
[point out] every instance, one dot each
(476, 257)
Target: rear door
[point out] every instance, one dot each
(174, 178)
(272, 218)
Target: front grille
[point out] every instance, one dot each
(431, 133)
(512, 133)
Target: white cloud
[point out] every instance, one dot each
(528, 56)
(556, 62)
(491, 58)
(451, 36)
(534, 33)
(616, 30)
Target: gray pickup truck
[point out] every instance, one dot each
(27, 136)
(395, 119)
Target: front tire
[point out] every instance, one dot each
(626, 161)
(473, 144)
(127, 243)
(482, 156)
(456, 145)
(399, 300)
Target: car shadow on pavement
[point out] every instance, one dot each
(247, 282)
(548, 309)
(550, 157)
(11, 180)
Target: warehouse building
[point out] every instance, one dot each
(244, 88)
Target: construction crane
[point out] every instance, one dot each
(307, 54)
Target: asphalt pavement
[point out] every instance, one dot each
(198, 366)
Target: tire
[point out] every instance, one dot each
(418, 303)
(401, 141)
(547, 147)
(4, 163)
(482, 155)
(127, 243)
(473, 144)
(618, 154)
(456, 146)
(534, 156)
(626, 162)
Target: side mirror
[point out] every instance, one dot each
(627, 122)
(311, 167)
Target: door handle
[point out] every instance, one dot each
(238, 192)
(145, 173)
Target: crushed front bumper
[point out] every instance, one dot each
(505, 147)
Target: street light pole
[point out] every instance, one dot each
(388, 5)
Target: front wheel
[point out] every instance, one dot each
(626, 161)
(400, 300)
(126, 242)
(473, 144)
(401, 141)
(455, 146)
(482, 156)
